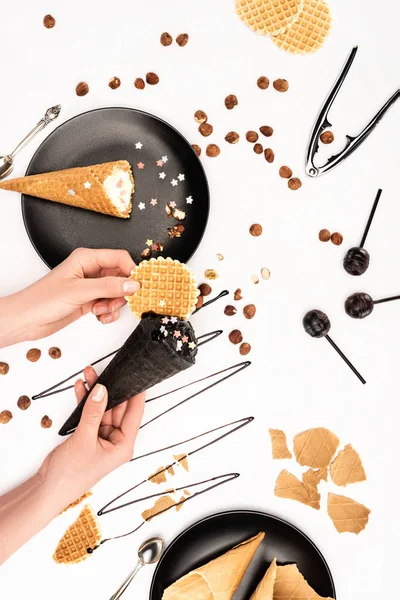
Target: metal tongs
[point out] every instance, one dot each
(322, 123)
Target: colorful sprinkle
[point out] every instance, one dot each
(174, 320)
(164, 320)
(153, 201)
(185, 339)
(149, 243)
(141, 206)
(177, 333)
(192, 345)
(179, 345)
(174, 182)
(164, 158)
(138, 145)
(140, 165)
(181, 177)
(87, 185)
(71, 192)
(172, 204)
(189, 200)
(162, 303)
(162, 175)
(162, 328)
(159, 163)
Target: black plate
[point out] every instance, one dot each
(216, 534)
(110, 134)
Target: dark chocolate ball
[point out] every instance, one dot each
(316, 323)
(359, 305)
(356, 261)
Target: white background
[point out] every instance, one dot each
(295, 382)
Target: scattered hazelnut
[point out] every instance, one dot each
(336, 238)
(265, 273)
(212, 150)
(5, 416)
(182, 39)
(200, 301)
(258, 149)
(114, 83)
(54, 352)
(327, 137)
(269, 155)
(34, 354)
(82, 88)
(4, 368)
(139, 83)
(232, 137)
(230, 310)
(281, 85)
(231, 101)
(146, 253)
(255, 279)
(206, 129)
(200, 117)
(285, 172)
(294, 183)
(244, 348)
(23, 402)
(266, 130)
(205, 289)
(197, 149)
(178, 230)
(324, 235)
(220, 257)
(49, 21)
(235, 336)
(263, 82)
(238, 294)
(249, 311)
(211, 274)
(46, 422)
(256, 229)
(252, 136)
(166, 39)
(157, 247)
(152, 78)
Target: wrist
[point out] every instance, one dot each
(13, 327)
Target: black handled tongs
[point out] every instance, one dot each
(322, 123)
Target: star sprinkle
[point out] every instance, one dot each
(164, 158)
(159, 163)
(185, 339)
(162, 303)
(140, 165)
(138, 145)
(179, 345)
(177, 333)
(181, 177)
(189, 200)
(174, 320)
(162, 328)
(87, 185)
(141, 206)
(164, 320)
(192, 345)
(149, 243)
(153, 201)
(71, 192)
(172, 204)
(174, 182)
(162, 175)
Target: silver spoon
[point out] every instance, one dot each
(7, 162)
(149, 553)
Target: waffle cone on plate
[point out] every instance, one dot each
(308, 32)
(265, 589)
(269, 17)
(218, 579)
(82, 535)
(105, 188)
(159, 347)
(290, 584)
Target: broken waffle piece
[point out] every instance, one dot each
(279, 444)
(182, 459)
(347, 515)
(161, 505)
(160, 476)
(83, 535)
(316, 447)
(265, 589)
(290, 584)
(268, 17)
(313, 478)
(347, 467)
(77, 501)
(288, 486)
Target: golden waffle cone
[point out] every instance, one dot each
(77, 501)
(84, 533)
(279, 444)
(220, 578)
(290, 584)
(265, 589)
(269, 17)
(309, 31)
(315, 447)
(347, 514)
(167, 288)
(81, 187)
(347, 467)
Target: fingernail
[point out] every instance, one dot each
(117, 306)
(131, 286)
(107, 319)
(98, 393)
(101, 309)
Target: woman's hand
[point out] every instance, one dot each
(88, 280)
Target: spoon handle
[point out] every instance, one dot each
(127, 581)
(51, 114)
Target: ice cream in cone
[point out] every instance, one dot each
(218, 579)
(105, 188)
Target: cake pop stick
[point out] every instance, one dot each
(361, 305)
(356, 261)
(317, 324)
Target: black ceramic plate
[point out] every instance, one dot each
(214, 535)
(106, 135)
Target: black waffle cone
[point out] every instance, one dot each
(145, 359)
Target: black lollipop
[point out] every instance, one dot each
(356, 260)
(317, 324)
(361, 304)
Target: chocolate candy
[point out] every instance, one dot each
(359, 305)
(316, 323)
(356, 261)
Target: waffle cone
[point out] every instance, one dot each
(290, 584)
(220, 578)
(265, 589)
(308, 32)
(269, 17)
(84, 533)
(82, 187)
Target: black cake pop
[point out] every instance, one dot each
(356, 260)
(361, 305)
(317, 324)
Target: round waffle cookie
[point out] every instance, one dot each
(167, 288)
(82, 535)
(269, 17)
(308, 33)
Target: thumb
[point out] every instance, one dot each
(93, 410)
(88, 290)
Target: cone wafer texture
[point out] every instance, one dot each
(265, 589)
(268, 17)
(347, 467)
(290, 584)
(347, 514)
(315, 447)
(84, 533)
(288, 486)
(308, 32)
(280, 449)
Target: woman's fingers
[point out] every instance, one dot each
(133, 415)
(90, 376)
(80, 390)
(90, 262)
(106, 306)
(109, 318)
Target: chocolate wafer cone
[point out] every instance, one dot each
(160, 347)
(105, 188)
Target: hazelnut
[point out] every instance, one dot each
(256, 229)
(212, 150)
(285, 172)
(178, 230)
(327, 137)
(146, 253)
(54, 352)
(249, 311)
(265, 273)
(49, 21)
(152, 78)
(336, 238)
(324, 235)
(200, 117)
(139, 83)
(206, 129)
(232, 137)
(5, 416)
(294, 183)
(46, 422)
(200, 301)
(235, 336)
(244, 348)
(263, 82)
(114, 83)
(82, 88)
(269, 155)
(231, 101)
(266, 130)
(157, 247)
(166, 39)
(4, 368)
(255, 279)
(281, 85)
(211, 274)
(230, 310)
(34, 354)
(182, 39)
(258, 149)
(205, 289)
(252, 136)
(220, 257)
(238, 294)
(23, 402)
(197, 149)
